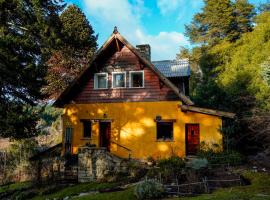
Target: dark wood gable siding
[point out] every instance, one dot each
(125, 60)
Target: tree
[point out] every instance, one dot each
(221, 19)
(74, 54)
(234, 60)
(29, 31)
(243, 17)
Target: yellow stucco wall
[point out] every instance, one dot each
(134, 127)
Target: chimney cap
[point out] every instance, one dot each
(115, 30)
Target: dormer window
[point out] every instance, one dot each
(101, 81)
(136, 79)
(119, 79)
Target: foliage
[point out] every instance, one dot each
(232, 72)
(171, 167)
(149, 189)
(197, 163)
(74, 53)
(17, 159)
(215, 157)
(221, 19)
(29, 31)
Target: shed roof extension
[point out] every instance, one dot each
(173, 68)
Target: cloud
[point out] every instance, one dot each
(167, 7)
(165, 45)
(128, 17)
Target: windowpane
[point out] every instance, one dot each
(87, 129)
(136, 79)
(164, 130)
(102, 81)
(119, 80)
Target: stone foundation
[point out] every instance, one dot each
(95, 163)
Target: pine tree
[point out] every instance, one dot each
(221, 19)
(74, 54)
(29, 30)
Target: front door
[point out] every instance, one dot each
(105, 134)
(192, 138)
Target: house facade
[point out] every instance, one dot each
(134, 107)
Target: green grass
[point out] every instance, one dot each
(125, 195)
(15, 186)
(75, 190)
(258, 190)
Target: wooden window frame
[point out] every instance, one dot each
(96, 81)
(113, 73)
(165, 140)
(133, 72)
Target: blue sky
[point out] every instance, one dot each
(160, 23)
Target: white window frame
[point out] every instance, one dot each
(124, 81)
(130, 78)
(96, 81)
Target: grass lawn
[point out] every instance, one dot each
(75, 190)
(258, 190)
(125, 195)
(15, 186)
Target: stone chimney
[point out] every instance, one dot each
(144, 50)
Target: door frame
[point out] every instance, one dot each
(186, 135)
(101, 136)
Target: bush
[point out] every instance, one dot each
(197, 163)
(171, 168)
(149, 189)
(221, 157)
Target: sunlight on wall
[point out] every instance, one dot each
(133, 126)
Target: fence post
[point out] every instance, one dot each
(205, 183)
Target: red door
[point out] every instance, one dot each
(192, 138)
(105, 134)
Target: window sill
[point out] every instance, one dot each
(101, 88)
(136, 87)
(166, 140)
(86, 138)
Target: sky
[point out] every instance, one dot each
(160, 23)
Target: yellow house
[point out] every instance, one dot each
(134, 107)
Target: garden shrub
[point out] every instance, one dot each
(217, 157)
(171, 168)
(149, 189)
(197, 163)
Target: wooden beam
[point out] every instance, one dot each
(219, 113)
(117, 44)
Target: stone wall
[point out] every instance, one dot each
(95, 163)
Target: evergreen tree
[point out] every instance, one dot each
(29, 30)
(221, 19)
(243, 17)
(74, 54)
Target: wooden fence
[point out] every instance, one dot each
(205, 186)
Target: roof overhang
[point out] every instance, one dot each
(186, 108)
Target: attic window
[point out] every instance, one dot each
(136, 79)
(101, 81)
(119, 79)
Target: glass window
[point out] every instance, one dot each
(119, 79)
(164, 130)
(101, 81)
(86, 129)
(136, 79)
(68, 139)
